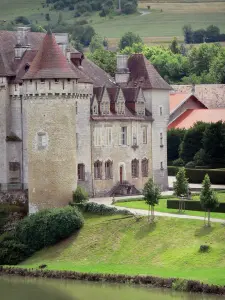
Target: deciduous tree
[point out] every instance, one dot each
(151, 194)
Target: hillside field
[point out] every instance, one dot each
(120, 244)
(159, 25)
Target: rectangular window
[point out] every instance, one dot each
(42, 140)
(161, 165)
(108, 170)
(145, 134)
(161, 139)
(81, 172)
(98, 170)
(135, 168)
(123, 135)
(144, 167)
(108, 136)
(77, 139)
(134, 135)
(97, 136)
(160, 110)
(14, 172)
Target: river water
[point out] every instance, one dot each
(14, 288)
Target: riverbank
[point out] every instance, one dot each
(170, 283)
(169, 248)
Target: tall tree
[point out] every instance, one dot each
(96, 43)
(174, 139)
(128, 39)
(151, 194)
(187, 30)
(208, 197)
(180, 186)
(214, 143)
(105, 59)
(174, 47)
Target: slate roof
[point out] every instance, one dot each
(191, 116)
(143, 74)
(50, 62)
(211, 95)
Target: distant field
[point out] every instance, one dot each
(157, 26)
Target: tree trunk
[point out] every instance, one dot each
(149, 213)
(205, 219)
(208, 218)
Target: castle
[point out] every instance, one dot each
(65, 122)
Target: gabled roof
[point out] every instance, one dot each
(142, 73)
(50, 62)
(131, 93)
(211, 95)
(177, 99)
(191, 116)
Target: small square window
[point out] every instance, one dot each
(42, 81)
(161, 110)
(161, 165)
(42, 140)
(56, 80)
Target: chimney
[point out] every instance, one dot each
(122, 71)
(22, 41)
(62, 40)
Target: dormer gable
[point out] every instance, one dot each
(95, 107)
(120, 103)
(105, 104)
(140, 104)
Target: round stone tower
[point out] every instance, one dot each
(50, 85)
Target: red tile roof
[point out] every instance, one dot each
(50, 62)
(143, 74)
(191, 116)
(177, 99)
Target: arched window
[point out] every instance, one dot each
(95, 109)
(98, 170)
(108, 169)
(135, 168)
(81, 171)
(144, 167)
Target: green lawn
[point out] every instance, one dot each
(164, 21)
(118, 244)
(162, 207)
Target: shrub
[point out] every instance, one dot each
(102, 209)
(178, 162)
(174, 139)
(12, 252)
(22, 19)
(172, 171)
(204, 248)
(200, 158)
(217, 176)
(190, 164)
(48, 227)
(80, 195)
(194, 205)
(180, 285)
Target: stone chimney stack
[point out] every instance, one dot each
(22, 41)
(122, 71)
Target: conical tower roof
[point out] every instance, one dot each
(50, 62)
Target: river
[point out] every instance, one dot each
(14, 288)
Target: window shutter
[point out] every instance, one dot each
(119, 135)
(128, 135)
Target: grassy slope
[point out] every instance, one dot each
(162, 207)
(168, 248)
(157, 24)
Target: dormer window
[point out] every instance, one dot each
(30, 81)
(140, 108)
(56, 80)
(95, 109)
(42, 80)
(26, 68)
(105, 108)
(120, 108)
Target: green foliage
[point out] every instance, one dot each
(48, 227)
(174, 47)
(96, 43)
(190, 164)
(194, 206)
(80, 195)
(12, 252)
(105, 59)
(174, 139)
(178, 162)
(214, 143)
(200, 158)
(204, 248)
(102, 209)
(83, 34)
(208, 197)
(23, 20)
(217, 176)
(128, 39)
(180, 285)
(172, 171)
(151, 193)
(181, 184)
(192, 141)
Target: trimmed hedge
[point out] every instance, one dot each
(102, 209)
(193, 205)
(217, 176)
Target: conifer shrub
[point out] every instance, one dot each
(80, 195)
(48, 227)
